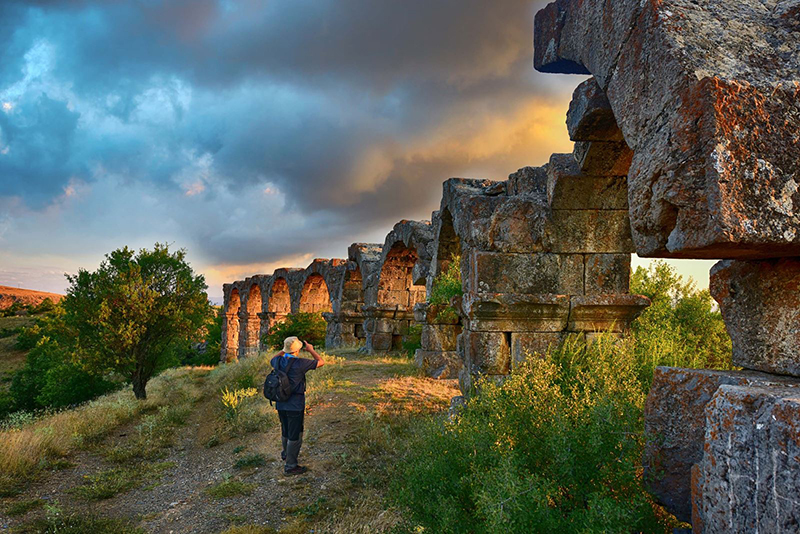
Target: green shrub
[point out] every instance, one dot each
(555, 448)
(413, 340)
(309, 327)
(45, 306)
(49, 378)
(447, 285)
(230, 487)
(251, 460)
(681, 328)
(14, 309)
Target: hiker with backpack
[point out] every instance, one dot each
(286, 385)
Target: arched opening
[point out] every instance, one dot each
(232, 326)
(279, 304)
(448, 246)
(315, 297)
(251, 327)
(396, 283)
(437, 355)
(397, 295)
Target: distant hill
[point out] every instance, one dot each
(26, 297)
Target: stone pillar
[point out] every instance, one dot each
(345, 329)
(249, 336)
(760, 303)
(385, 327)
(438, 356)
(229, 349)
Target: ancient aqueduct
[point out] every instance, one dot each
(687, 145)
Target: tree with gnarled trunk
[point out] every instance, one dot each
(131, 311)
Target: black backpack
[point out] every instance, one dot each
(277, 386)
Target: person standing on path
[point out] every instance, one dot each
(292, 410)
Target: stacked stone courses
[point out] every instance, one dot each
(687, 145)
(707, 96)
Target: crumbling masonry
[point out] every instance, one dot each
(687, 145)
(707, 95)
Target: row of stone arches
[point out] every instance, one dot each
(252, 306)
(698, 129)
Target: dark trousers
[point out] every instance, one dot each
(291, 424)
(291, 436)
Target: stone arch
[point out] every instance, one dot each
(396, 285)
(447, 244)
(437, 354)
(315, 296)
(230, 351)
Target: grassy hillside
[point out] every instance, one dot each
(24, 297)
(183, 461)
(10, 358)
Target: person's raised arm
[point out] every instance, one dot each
(310, 349)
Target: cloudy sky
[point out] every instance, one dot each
(254, 133)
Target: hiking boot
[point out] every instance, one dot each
(296, 470)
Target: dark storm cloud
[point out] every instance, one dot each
(353, 111)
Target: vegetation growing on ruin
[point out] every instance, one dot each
(557, 446)
(681, 328)
(447, 285)
(307, 326)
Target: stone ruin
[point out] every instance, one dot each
(687, 145)
(707, 96)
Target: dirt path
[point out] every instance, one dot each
(340, 402)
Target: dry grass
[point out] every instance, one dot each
(413, 395)
(365, 516)
(376, 400)
(35, 445)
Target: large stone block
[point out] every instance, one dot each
(380, 342)
(603, 158)
(588, 231)
(528, 181)
(439, 337)
(488, 352)
(590, 117)
(706, 96)
(760, 303)
(604, 313)
(499, 223)
(525, 345)
(568, 188)
(607, 274)
(749, 477)
(393, 297)
(674, 419)
(499, 312)
(385, 326)
(528, 273)
(438, 364)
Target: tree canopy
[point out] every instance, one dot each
(129, 313)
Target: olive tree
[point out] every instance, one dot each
(130, 313)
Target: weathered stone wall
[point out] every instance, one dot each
(706, 96)
(546, 253)
(686, 145)
(402, 273)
